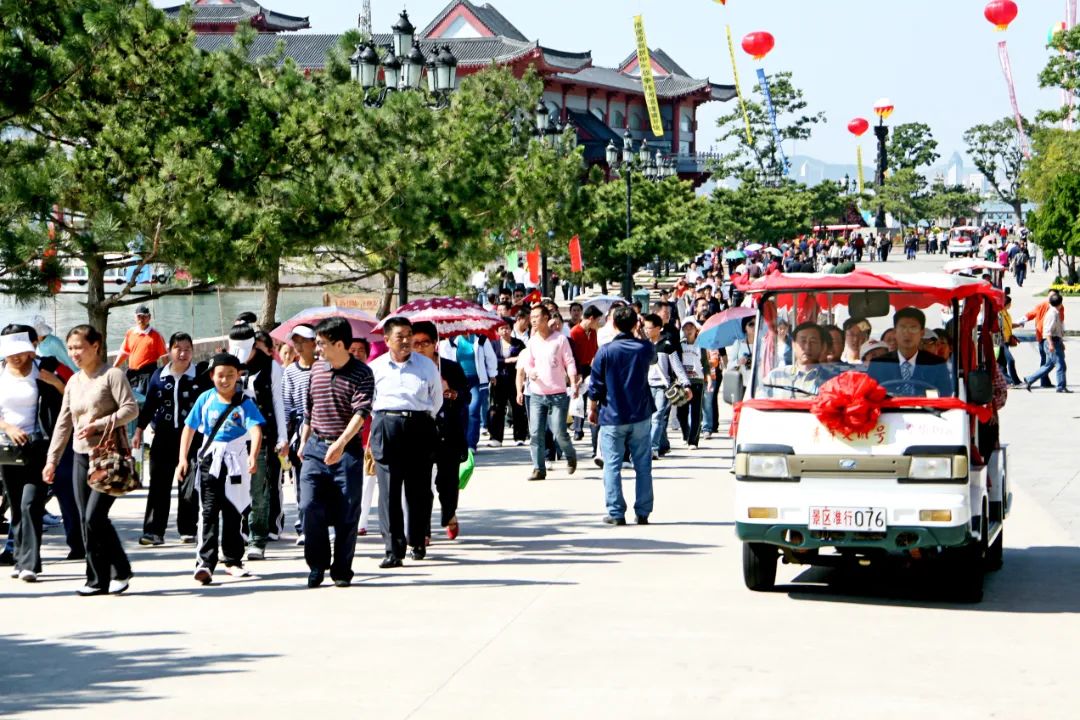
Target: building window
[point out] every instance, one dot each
(636, 120)
(618, 120)
(598, 114)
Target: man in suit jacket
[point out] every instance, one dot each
(908, 362)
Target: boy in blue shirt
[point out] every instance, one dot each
(225, 465)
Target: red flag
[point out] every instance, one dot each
(575, 254)
(533, 257)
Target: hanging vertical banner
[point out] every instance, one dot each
(575, 255)
(512, 260)
(1006, 67)
(858, 159)
(533, 259)
(738, 87)
(648, 83)
(1070, 23)
(764, 82)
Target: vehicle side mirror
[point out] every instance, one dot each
(732, 387)
(980, 387)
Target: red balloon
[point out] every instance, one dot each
(858, 126)
(758, 44)
(1001, 13)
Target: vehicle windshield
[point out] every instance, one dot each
(803, 339)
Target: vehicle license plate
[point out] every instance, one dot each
(859, 519)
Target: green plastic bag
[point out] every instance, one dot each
(466, 470)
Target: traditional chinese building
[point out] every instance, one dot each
(602, 103)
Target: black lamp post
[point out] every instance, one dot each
(403, 68)
(548, 131)
(883, 108)
(654, 168)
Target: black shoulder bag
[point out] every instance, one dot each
(187, 486)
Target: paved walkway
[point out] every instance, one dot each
(540, 611)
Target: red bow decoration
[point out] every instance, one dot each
(849, 404)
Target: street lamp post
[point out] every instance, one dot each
(655, 169)
(548, 131)
(403, 66)
(883, 108)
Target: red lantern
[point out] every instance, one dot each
(1001, 13)
(758, 44)
(858, 126)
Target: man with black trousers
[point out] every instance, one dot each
(452, 422)
(404, 438)
(332, 479)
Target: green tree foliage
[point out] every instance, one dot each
(996, 151)
(762, 155)
(912, 146)
(950, 203)
(757, 212)
(1062, 71)
(904, 195)
(1056, 223)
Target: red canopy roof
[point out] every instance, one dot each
(923, 289)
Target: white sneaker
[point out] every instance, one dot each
(256, 553)
(520, 443)
(15, 573)
(28, 576)
(203, 575)
(118, 586)
(494, 443)
(299, 541)
(237, 571)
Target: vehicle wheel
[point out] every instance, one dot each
(966, 569)
(995, 554)
(759, 566)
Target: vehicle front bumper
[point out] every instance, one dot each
(895, 539)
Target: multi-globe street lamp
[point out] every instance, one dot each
(627, 161)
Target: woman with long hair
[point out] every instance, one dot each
(96, 399)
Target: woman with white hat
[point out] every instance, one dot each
(28, 410)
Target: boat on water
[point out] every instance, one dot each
(153, 276)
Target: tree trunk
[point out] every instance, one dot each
(97, 314)
(603, 286)
(268, 313)
(1018, 210)
(388, 293)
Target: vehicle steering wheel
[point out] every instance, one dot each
(899, 383)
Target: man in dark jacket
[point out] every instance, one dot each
(623, 407)
(910, 371)
(451, 422)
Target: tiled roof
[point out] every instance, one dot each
(661, 57)
(307, 51)
(667, 87)
(240, 12)
(481, 51)
(492, 19)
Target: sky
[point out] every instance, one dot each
(936, 60)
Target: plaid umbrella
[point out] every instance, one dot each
(452, 317)
(362, 323)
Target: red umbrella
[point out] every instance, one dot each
(362, 323)
(452, 317)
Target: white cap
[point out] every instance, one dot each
(869, 346)
(928, 334)
(41, 326)
(14, 344)
(303, 331)
(241, 349)
(690, 321)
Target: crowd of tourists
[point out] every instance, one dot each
(338, 416)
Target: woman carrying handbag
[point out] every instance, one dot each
(97, 402)
(28, 409)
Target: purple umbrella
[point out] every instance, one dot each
(724, 328)
(361, 322)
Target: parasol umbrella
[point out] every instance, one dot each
(753, 247)
(604, 302)
(774, 251)
(724, 328)
(734, 255)
(452, 317)
(362, 323)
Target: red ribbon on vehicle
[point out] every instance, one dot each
(851, 404)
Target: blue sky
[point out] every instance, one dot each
(936, 59)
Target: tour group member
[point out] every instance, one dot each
(910, 370)
(97, 398)
(29, 408)
(623, 408)
(332, 481)
(170, 396)
(143, 347)
(224, 477)
(294, 393)
(408, 396)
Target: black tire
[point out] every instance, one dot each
(966, 568)
(759, 566)
(995, 554)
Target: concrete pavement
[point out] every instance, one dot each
(541, 611)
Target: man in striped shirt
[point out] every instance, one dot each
(332, 480)
(294, 390)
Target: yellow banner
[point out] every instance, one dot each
(738, 87)
(648, 83)
(858, 159)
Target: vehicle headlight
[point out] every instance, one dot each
(767, 466)
(931, 468)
